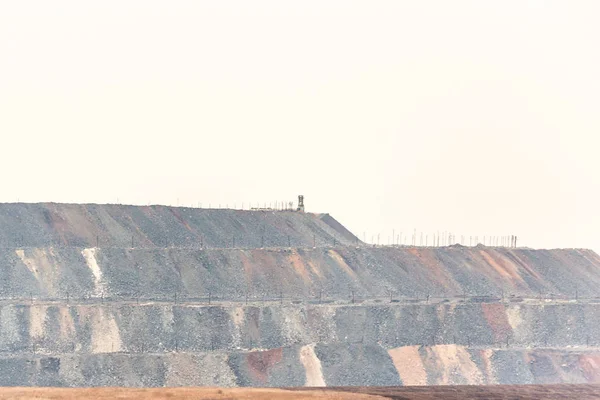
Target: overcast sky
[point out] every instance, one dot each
(476, 117)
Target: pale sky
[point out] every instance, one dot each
(476, 117)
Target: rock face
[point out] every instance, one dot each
(255, 298)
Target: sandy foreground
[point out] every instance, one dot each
(174, 394)
(525, 392)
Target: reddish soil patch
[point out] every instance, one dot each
(261, 362)
(495, 315)
(590, 364)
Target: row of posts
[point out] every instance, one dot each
(434, 341)
(279, 297)
(416, 239)
(439, 239)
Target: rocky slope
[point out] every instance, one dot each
(150, 344)
(94, 225)
(73, 272)
(95, 295)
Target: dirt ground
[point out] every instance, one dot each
(525, 392)
(174, 394)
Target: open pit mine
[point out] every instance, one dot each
(153, 296)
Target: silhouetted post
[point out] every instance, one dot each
(289, 242)
(391, 299)
(246, 298)
(281, 297)
(353, 296)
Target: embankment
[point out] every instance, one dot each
(105, 225)
(294, 345)
(72, 272)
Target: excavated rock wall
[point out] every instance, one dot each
(335, 272)
(97, 295)
(292, 345)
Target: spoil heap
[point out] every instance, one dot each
(152, 296)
